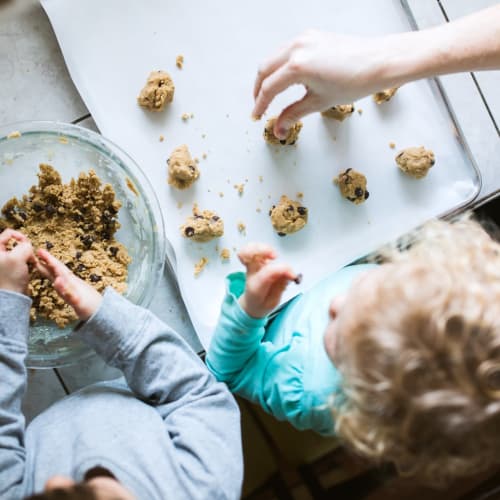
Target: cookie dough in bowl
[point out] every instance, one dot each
(136, 229)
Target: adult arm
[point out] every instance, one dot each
(337, 69)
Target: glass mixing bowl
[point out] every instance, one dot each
(72, 149)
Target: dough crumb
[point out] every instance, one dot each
(185, 116)
(203, 136)
(360, 112)
(392, 145)
(288, 216)
(225, 254)
(179, 204)
(158, 91)
(202, 226)
(204, 156)
(15, 134)
(77, 222)
(415, 162)
(291, 137)
(261, 179)
(131, 186)
(352, 185)
(242, 228)
(200, 265)
(258, 209)
(384, 95)
(162, 138)
(240, 188)
(339, 112)
(182, 169)
(300, 195)
(179, 61)
(63, 140)
(221, 194)
(196, 160)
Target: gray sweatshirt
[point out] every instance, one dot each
(167, 430)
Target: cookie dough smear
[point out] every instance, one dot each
(77, 223)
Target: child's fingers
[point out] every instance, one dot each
(269, 276)
(66, 289)
(10, 234)
(23, 251)
(53, 266)
(256, 255)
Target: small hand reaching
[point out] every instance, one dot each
(14, 270)
(265, 281)
(82, 297)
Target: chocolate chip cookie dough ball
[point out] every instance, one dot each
(339, 112)
(202, 226)
(288, 216)
(182, 169)
(291, 138)
(158, 91)
(415, 162)
(384, 95)
(352, 186)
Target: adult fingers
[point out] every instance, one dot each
(255, 255)
(10, 234)
(275, 83)
(293, 113)
(279, 58)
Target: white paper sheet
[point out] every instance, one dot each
(110, 47)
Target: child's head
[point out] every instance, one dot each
(417, 341)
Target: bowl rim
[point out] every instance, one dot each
(132, 169)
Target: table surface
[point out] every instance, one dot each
(36, 86)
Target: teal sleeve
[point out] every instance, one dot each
(255, 369)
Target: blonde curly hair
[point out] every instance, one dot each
(420, 356)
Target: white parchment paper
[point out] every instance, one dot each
(110, 46)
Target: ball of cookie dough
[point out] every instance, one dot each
(158, 91)
(352, 186)
(202, 226)
(182, 169)
(339, 112)
(288, 216)
(291, 137)
(384, 95)
(415, 162)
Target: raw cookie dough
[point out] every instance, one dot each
(384, 95)
(288, 216)
(76, 222)
(352, 185)
(182, 169)
(202, 226)
(291, 138)
(415, 162)
(158, 91)
(340, 112)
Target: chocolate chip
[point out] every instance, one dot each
(113, 251)
(281, 234)
(37, 207)
(283, 141)
(432, 162)
(351, 198)
(23, 214)
(298, 279)
(94, 278)
(189, 231)
(198, 216)
(50, 209)
(87, 241)
(270, 212)
(292, 143)
(77, 217)
(366, 195)
(347, 170)
(290, 208)
(358, 192)
(48, 245)
(88, 227)
(215, 218)
(80, 268)
(302, 210)
(193, 169)
(168, 161)
(78, 254)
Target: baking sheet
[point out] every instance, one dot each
(110, 47)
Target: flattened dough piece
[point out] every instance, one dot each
(182, 169)
(339, 112)
(202, 226)
(288, 216)
(415, 162)
(291, 138)
(158, 91)
(384, 95)
(352, 185)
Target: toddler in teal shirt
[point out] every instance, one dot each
(400, 360)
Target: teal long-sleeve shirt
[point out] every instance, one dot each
(280, 361)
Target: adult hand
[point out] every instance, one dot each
(335, 69)
(265, 281)
(14, 271)
(82, 297)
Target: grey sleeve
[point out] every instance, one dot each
(14, 328)
(199, 413)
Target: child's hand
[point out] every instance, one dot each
(14, 271)
(84, 299)
(265, 281)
